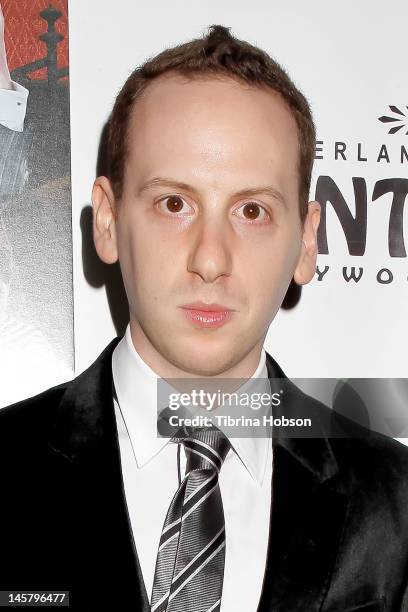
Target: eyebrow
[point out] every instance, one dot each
(159, 181)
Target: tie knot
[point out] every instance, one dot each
(206, 448)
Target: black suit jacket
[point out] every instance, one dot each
(339, 515)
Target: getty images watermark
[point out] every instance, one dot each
(264, 407)
(240, 407)
(212, 401)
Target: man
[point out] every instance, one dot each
(210, 149)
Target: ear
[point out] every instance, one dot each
(306, 265)
(104, 220)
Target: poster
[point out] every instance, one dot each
(36, 312)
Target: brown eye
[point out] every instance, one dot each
(253, 211)
(174, 204)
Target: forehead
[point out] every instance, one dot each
(212, 124)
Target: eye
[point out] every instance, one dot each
(173, 204)
(254, 212)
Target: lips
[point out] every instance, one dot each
(207, 315)
(203, 307)
(205, 318)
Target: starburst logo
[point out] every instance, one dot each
(400, 119)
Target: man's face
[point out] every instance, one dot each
(191, 235)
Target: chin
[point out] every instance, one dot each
(202, 358)
(202, 370)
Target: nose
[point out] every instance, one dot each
(210, 254)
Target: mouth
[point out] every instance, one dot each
(205, 318)
(205, 315)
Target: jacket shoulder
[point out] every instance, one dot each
(33, 416)
(371, 455)
(27, 425)
(375, 456)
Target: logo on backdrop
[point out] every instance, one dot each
(399, 119)
(353, 214)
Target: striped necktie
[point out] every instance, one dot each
(190, 560)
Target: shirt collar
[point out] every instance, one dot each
(136, 389)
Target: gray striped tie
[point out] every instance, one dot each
(190, 560)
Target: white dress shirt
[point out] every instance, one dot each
(13, 106)
(150, 477)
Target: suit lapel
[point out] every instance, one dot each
(85, 434)
(309, 506)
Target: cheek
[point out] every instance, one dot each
(151, 269)
(267, 286)
(138, 248)
(269, 270)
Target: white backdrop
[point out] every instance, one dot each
(349, 59)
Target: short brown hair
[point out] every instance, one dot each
(216, 54)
